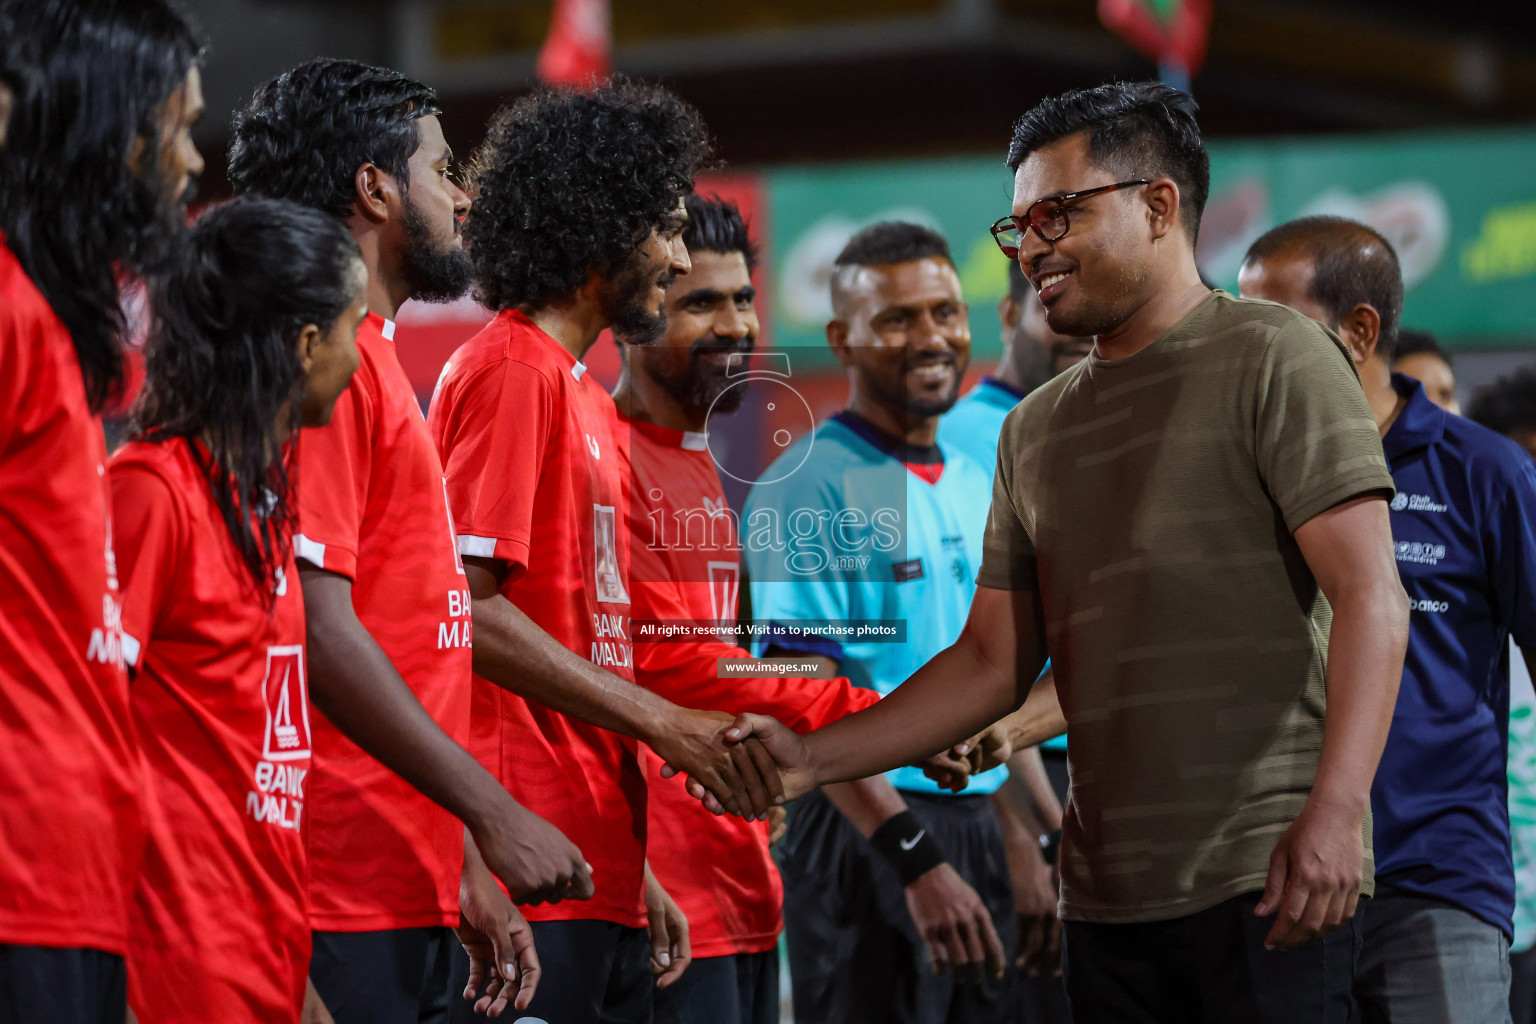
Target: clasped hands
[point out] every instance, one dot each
(775, 765)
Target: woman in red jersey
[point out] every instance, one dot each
(252, 338)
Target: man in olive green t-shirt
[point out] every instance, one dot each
(1172, 521)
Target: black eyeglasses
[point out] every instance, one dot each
(1048, 217)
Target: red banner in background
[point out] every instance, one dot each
(427, 334)
(578, 51)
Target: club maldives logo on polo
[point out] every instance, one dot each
(278, 796)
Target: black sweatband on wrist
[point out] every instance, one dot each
(905, 845)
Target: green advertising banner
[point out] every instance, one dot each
(1460, 209)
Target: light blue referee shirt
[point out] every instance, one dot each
(854, 537)
(973, 426)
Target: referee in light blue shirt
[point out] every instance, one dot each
(897, 903)
(1436, 937)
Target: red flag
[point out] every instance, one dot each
(1171, 32)
(579, 49)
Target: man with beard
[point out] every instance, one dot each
(576, 228)
(895, 889)
(388, 632)
(98, 162)
(1193, 523)
(684, 551)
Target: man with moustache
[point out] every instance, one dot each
(1193, 524)
(1437, 933)
(684, 569)
(576, 228)
(392, 791)
(96, 171)
(895, 890)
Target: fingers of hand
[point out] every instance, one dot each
(768, 769)
(755, 793)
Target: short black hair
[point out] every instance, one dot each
(1135, 130)
(716, 225)
(1508, 404)
(1351, 263)
(893, 241)
(90, 80)
(305, 133)
(567, 184)
(1411, 342)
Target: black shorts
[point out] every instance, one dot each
(398, 976)
(1208, 968)
(739, 989)
(855, 957)
(43, 985)
(594, 972)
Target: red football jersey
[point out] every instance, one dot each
(685, 565)
(71, 829)
(372, 507)
(220, 924)
(534, 478)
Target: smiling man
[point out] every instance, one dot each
(889, 881)
(1193, 524)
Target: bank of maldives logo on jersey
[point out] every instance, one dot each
(278, 796)
(287, 699)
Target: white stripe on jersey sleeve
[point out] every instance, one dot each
(131, 650)
(477, 547)
(308, 550)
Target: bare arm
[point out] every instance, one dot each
(1314, 875)
(512, 651)
(1349, 550)
(355, 684)
(979, 679)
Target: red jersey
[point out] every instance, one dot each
(684, 565)
(528, 442)
(372, 507)
(220, 923)
(71, 830)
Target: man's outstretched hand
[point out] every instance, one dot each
(729, 777)
(953, 768)
(778, 756)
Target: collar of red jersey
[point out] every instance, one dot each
(687, 440)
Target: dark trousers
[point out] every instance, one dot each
(397, 976)
(594, 972)
(740, 989)
(1208, 968)
(43, 985)
(1522, 986)
(1042, 998)
(855, 957)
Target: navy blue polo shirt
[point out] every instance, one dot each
(1464, 531)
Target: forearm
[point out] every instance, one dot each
(512, 651)
(1040, 718)
(1028, 795)
(354, 683)
(866, 803)
(688, 674)
(952, 698)
(1365, 666)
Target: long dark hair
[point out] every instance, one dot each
(222, 359)
(90, 78)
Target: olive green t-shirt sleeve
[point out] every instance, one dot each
(1007, 553)
(1315, 440)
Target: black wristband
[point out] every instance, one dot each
(1050, 846)
(905, 845)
